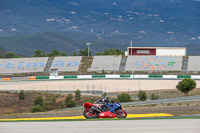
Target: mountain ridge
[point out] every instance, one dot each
(105, 23)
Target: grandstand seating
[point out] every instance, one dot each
(22, 65)
(67, 63)
(99, 63)
(107, 63)
(194, 63)
(154, 63)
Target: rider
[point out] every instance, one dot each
(104, 101)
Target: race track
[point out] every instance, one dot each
(110, 85)
(119, 126)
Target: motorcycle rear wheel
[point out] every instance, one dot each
(90, 113)
(120, 113)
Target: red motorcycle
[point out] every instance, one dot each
(102, 109)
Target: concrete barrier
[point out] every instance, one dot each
(106, 76)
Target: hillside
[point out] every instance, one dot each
(68, 24)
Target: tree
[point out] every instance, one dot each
(84, 52)
(39, 53)
(142, 95)
(55, 52)
(186, 85)
(21, 95)
(74, 53)
(9, 55)
(1, 56)
(63, 54)
(77, 94)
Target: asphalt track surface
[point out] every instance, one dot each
(119, 126)
(82, 117)
(108, 85)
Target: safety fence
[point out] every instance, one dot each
(106, 76)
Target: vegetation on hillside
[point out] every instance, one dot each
(55, 52)
(111, 51)
(9, 55)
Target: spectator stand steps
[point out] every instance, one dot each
(123, 64)
(86, 63)
(48, 65)
(185, 64)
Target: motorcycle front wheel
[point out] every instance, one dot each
(120, 113)
(90, 113)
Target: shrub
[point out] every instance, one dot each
(39, 101)
(142, 95)
(69, 97)
(48, 97)
(77, 94)
(71, 103)
(22, 95)
(168, 104)
(62, 105)
(46, 106)
(54, 100)
(154, 97)
(37, 108)
(124, 97)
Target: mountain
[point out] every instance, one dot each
(26, 25)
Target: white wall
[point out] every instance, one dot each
(126, 53)
(170, 52)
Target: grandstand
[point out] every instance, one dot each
(107, 63)
(194, 63)
(22, 65)
(67, 63)
(91, 65)
(154, 63)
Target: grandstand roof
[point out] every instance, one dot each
(159, 47)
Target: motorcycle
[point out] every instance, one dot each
(102, 109)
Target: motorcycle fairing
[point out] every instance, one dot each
(106, 114)
(113, 107)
